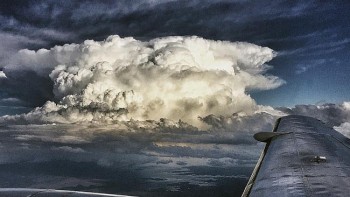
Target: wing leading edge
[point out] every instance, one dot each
(303, 157)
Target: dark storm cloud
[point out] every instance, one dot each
(68, 21)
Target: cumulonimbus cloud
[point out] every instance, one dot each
(172, 77)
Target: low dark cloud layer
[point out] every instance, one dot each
(146, 161)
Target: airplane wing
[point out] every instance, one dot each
(302, 157)
(27, 192)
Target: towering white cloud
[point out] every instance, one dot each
(171, 77)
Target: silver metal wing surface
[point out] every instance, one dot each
(302, 157)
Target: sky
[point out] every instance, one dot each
(166, 94)
(310, 37)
